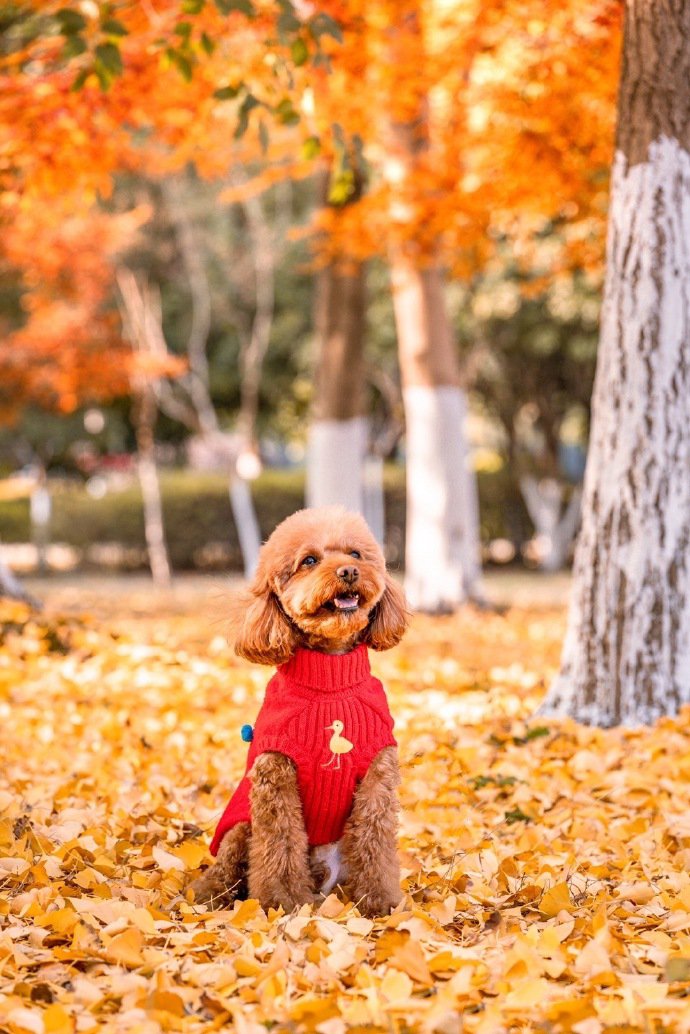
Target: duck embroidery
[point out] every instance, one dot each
(338, 744)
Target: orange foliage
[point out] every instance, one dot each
(59, 150)
(151, 118)
(70, 349)
(515, 112)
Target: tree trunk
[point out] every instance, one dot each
(626, 656)
(12, 588)
(144, 413)
(337, 440)
(40, 508)
(203, 416)
(255, 344)
(178, 203)
(442, 566)
(374, 497)
(442, 547)
(246, 522)
(555, 527)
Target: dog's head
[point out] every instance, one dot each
(321, 582)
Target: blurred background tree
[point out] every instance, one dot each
(194, 152)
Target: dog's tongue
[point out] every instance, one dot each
(346, 602)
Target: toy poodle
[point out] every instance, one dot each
(317, 807)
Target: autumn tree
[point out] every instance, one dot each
(442, 564)
(476, 146)
(626, 656)
(91, 91)
(338, 431)
(436, 135)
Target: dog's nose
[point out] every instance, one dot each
(348, 574)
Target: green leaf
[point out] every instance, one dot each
(181, 62)
(243, 6)
(114, 27)
(74, 45)
(70, 21)
(263, 136)
(227, 93)
(286, 113)
(311, 148)
(108, 57)
(323, 25)
(501, 781)
(183, 29)
(536, 733)
(299, 51)
(103, 76)
(207, 44)
(517, 815)
(288, 22)
(80, 79)
(342, 187)
(246, 107)
(192, 6)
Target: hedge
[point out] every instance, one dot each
(198, 520)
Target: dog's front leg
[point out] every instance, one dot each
(279, 872)
(369, 843)
(226, 879)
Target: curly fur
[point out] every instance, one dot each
(279, 872)
(287, 604)
(369, 841)
(290, 604)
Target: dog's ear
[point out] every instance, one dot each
(260, 629)
(389, 619)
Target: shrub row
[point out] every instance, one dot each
(199, 527)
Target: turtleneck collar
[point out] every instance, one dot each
(328, 671)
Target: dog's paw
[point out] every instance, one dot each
(288, 900)
(376, 901)
(212, 889)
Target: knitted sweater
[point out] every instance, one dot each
(330, 716)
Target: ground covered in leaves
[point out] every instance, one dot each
(547, 866)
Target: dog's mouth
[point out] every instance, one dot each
(343, 602)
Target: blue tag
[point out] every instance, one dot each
(247, 733)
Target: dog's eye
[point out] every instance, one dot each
(355, 554)
(309, 561)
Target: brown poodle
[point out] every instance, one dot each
(318, 804)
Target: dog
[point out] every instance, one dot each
(317, 807)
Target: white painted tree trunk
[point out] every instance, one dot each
(374, 496)
(246, 522)
(554, 526)
(626, 656)
(153, 517)
(335, 463)
(441, 555)
(12, 588)
(40, 508)
(339, 429)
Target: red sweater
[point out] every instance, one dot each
(330, 715)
